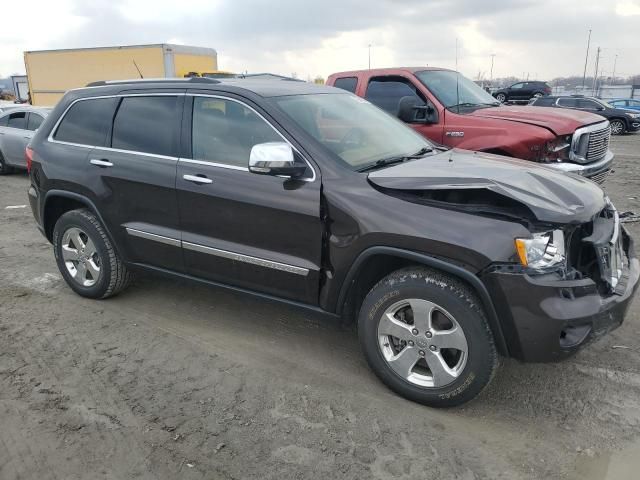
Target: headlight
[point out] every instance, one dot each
(634, 115)
(542, 251)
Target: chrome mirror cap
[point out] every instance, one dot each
(274, 158)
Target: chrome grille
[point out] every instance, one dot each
(600, 177)
(598, 144)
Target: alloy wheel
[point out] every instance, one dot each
(81, 257)
(617, 127)
(422, 343)
(501, 97)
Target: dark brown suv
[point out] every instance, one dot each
(313, 196)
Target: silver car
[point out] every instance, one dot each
(17, 127)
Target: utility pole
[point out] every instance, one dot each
(586, 60)
(613, 76)
(493, 55)
(369, 56)
(595, 76)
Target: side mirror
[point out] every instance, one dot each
(410, 112)
(275, 158)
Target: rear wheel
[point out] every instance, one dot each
(4, 168)
(425, 336)
(538, 95)
(85, 256)
(501, 97)
(617, 127)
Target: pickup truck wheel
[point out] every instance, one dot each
(85, 256)
(426, 337)
(4, 168)
(501, 97)
(617, 127)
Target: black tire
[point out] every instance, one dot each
(501, 97)
(114, 275)
(618, 126)
(4, 168)
(461, 303)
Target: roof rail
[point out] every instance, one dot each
(102, 83)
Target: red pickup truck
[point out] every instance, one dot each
(450, 109)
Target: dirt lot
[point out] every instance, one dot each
(171, 380)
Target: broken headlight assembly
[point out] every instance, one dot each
(557, 150)
(543, 251)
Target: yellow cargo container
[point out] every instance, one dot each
(51, 73)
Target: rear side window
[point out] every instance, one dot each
(147, 125)
(4, 120)
(18, 120)
(87, 122)
(347, 83)
(568, 102)
(34, 121)
(386, 93)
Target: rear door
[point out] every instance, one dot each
(134, 177)
(15, 137)
(516, 91)
(253, 231)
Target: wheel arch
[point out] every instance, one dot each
(58, 202)
(376, 262)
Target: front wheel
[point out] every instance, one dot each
(426, 337)
(617, 127)
(501, 97)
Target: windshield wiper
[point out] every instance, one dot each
(384, 162)
(469, 104)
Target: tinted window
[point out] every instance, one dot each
(387, 92)
(147, 124)
(18, 120)
(568, 102)
(589, 104)
(34, 121)
(347, 83)
(87, 122)
(517, 85)
(224, 131)
(3, 121)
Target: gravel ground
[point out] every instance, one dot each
(173, 380)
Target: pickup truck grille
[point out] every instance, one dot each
(598, 144)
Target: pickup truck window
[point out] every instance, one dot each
(224, 131)
(352, 128)
(386, 92)
(453, 89)
(346, 83)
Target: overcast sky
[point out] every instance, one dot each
(544, 38)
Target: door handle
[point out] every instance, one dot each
(100, 163)
(197, 179)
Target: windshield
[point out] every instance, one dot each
(453, 89)
(358, 132)
(603, 103)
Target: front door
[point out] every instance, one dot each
(257, 232)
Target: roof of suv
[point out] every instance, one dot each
(261, 87)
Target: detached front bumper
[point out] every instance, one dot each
(546, 319)
(596, 171)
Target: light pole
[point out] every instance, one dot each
(613, 77)
(493, 55)
(586, 59)
(369, 46)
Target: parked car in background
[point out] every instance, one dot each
(522, 92)
(625, 103)
(317, 198)
(17, 127)
(622, 120)
(450, 109)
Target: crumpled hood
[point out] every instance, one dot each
(561, 121)
(552, 196)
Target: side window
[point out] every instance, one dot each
(147, 124)
(87, 122)
(4, 120)
(386, 92)
(588, 104)
(34, 121)
(517, 86)
(568, 102)
(224, 131)
(347, 83)
(18, 120)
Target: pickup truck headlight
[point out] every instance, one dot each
(557, 149)
(542, 251)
